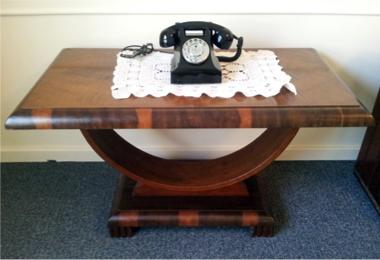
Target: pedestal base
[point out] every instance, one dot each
(237, 205)
(189, 193)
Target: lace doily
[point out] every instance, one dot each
(254, 73)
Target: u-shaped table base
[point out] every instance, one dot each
(189, 193)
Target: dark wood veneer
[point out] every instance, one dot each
(74, 93)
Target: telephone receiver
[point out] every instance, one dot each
(219, 35)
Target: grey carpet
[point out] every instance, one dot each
(59, 210)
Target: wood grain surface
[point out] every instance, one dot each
(75, 92)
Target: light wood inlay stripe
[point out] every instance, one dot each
(250, 218)
(188, 218)
(129, 218)
(245, 117)
(144, 117)
(42, 118)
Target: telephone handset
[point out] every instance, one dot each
(194, 60)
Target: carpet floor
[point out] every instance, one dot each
(60, 210)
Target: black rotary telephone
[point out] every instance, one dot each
(194, 60)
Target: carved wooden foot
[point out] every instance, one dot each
(120, 231)
(262, 230)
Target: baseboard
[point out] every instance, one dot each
(31, 154)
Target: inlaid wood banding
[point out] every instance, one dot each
(109, 118)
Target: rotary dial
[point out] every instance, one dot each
(195, 50)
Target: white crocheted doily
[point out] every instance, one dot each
(254, 73)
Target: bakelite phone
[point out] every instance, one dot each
(194, 60)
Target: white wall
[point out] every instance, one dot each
(33, 32)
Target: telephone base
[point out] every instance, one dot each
(199, 78)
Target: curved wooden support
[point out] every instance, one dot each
(189, 175)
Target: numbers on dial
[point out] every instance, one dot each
(195, 50)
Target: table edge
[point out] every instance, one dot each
(254, 117)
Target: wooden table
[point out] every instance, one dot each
(74, 93)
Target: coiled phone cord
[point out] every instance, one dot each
(132, 51)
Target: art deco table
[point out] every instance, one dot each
(74, 93)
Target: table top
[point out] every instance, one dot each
(74, 93)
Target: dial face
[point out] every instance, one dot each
(195, 50)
